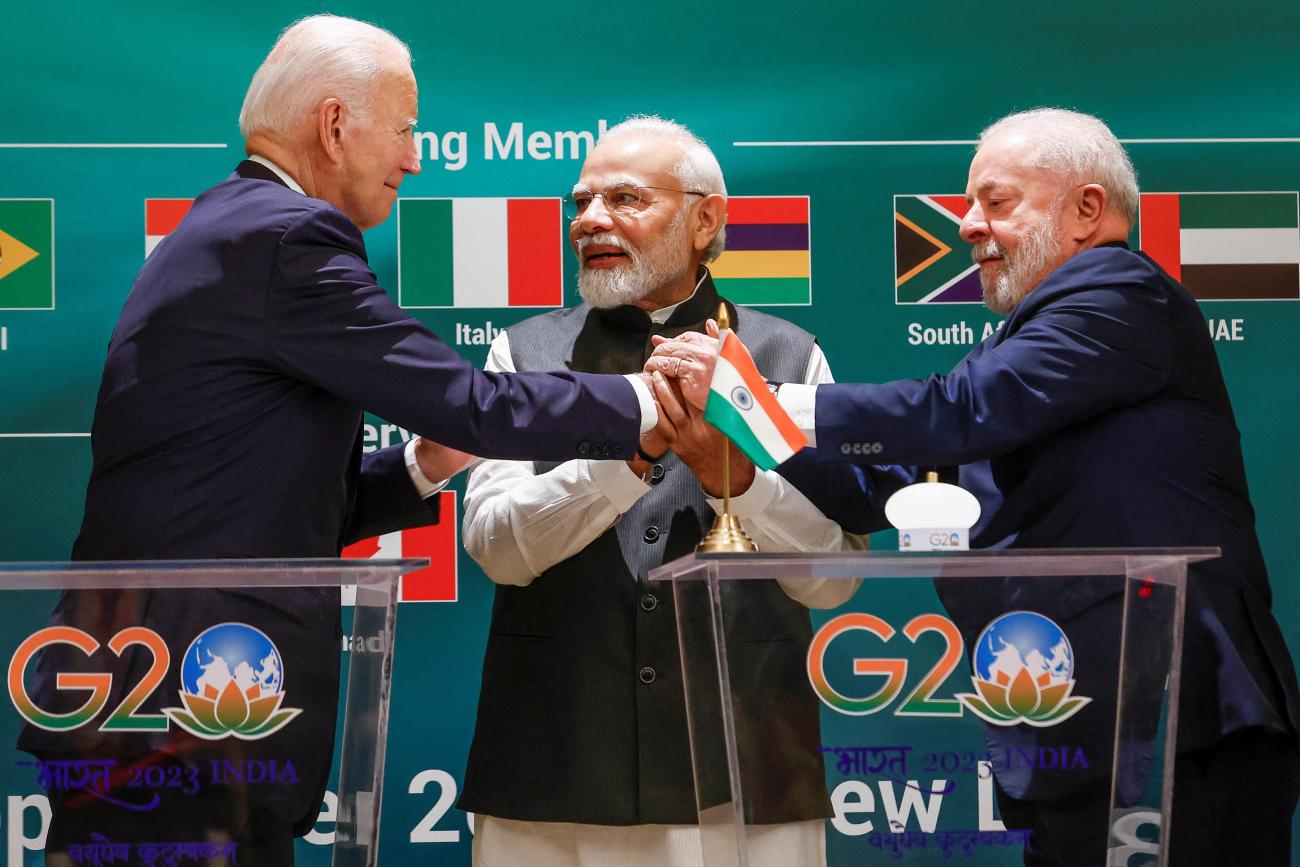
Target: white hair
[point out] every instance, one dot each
(315, 58)
(1080, 146)
(697, 170)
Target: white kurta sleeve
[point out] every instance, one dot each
(518, 524)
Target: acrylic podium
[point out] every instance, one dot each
(161, 698)
(939, 693)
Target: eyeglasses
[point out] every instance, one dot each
(626, 200)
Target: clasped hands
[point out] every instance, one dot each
(678, 374)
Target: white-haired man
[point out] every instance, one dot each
(1096, 417)
(229, 425)
(581, 754)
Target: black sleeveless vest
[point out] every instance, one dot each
(581, 715)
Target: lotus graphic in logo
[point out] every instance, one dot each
(232, 683)
(1024, 671)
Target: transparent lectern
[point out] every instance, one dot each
(161, 699)
(941, 694)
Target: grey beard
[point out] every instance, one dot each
(667, 260)
(1039, 249)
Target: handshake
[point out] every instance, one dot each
(677, 373)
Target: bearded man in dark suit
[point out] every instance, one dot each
(228, 423)
(1097, 416)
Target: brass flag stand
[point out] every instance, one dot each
(727, 536)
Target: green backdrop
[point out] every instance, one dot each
(897, 86)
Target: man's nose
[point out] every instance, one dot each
(411, 162)
(596, 217)
(974, 228)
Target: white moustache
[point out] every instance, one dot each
(605, 240)
(987, 250)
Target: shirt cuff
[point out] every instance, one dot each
(423, 486)
(756, 499)
(800, 401)
(649, 409)
(617, 482)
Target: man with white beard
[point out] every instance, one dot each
(581, 753)
(1097, 416)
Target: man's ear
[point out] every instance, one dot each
(330, 120)
(711, 215)
(1088, 208)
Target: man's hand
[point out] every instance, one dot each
(689, 359)
(659, 439)
(699, 445)
(439, 462)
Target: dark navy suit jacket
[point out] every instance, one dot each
(228, 424)
(228, 417)
(1097, 417)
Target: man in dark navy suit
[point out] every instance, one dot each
(228, 424)
(1096, 417)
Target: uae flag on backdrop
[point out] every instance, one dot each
(160, 217)
(1225, 246)
(479, 253)
(768, 259)
(932, 264)
(437, 581)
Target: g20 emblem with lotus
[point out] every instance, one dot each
(232, 683)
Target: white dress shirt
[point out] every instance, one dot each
(800, 401)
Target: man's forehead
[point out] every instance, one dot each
(397, 85)
(1004, 161)
(632, 159)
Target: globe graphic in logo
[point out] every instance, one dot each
(232, 681)
(1024, 640)
(1024, 673)
(232, 651)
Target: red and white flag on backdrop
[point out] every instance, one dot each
(434, 583)
(160, 217)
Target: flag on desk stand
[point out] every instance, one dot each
(741, 406)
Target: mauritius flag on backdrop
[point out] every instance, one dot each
(768, 259)
(479, 252)
(1225, 246)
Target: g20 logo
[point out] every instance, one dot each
(920, 701)
(232, 683)
(1023, 664)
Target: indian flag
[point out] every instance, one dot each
(479, 253)
(1225, 246)
(741, 407)
(160, 217)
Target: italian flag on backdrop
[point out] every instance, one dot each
(741, 406)
(479, 252)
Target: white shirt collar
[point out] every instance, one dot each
(663, 314)
(279, 172)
